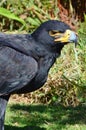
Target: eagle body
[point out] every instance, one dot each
(25, 60)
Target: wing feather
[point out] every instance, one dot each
(19, 42)
(16, 70)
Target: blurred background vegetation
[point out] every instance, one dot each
(66, 83)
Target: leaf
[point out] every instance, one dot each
(34, 22)
(6, 13)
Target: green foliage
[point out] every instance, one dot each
(32, 13)
(6, 13)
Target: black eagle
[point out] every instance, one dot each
(25, 59)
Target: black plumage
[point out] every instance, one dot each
(25, 59)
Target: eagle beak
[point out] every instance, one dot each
(67, 37)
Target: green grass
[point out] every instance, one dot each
(44, 117)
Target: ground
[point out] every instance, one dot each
(45, 117)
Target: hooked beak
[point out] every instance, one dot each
(67, 37)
